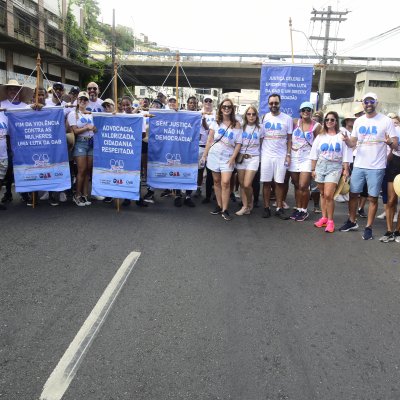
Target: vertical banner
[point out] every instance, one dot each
(117, 155)
(173, 150)
(292, 82)
(39, 145)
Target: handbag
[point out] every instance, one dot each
(241, 156)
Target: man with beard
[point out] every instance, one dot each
(95, 104)
(275, 154)
(372, 133)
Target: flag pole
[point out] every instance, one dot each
(177, 80)
(116, 104)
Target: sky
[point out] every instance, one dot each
(258, 26)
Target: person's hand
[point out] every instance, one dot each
(231, 162)
(37, 106)
(346, 173)
(345, 137)
(313, 174)
(90, 127)
(388, 140)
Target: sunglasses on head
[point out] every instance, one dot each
(251, 114)
(208, 101)
(226, 107)
(330, 120)
(274, 103)
(367, 102)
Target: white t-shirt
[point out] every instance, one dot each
(80, 120)
(204, 132)
(251, 140)
(397, 151)
(303, 141)
(227, 138)
(95, 106)
(3, 136)
(371, 135)
(331, 148)
(49, 103)
(276, 128)
(10, 106)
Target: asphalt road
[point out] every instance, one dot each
(251, 309)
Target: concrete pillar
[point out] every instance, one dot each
(10, 17)
(41, 27)
(9, 63)
(64, 51)
(62, 74)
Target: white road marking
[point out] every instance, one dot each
(65, 371)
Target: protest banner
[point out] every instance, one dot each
(39, 145)
(117, 155)
(173, 150)
(292, 82)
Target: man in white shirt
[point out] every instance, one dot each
(373, 133)
(95, 104)
(275, 154)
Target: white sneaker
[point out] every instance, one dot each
(63, 197)
(99, 197)
(285, 205)
(45, 196)
(382, 216)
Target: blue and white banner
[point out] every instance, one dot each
(117, 155)
(39, 145)
(173, 150)
(292, 82)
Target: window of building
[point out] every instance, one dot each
(142, 92)
(385, 84)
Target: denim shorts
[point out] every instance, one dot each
(372, 177)
(83, 148)
(3, 167)
(328, 171)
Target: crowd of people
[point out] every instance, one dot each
(241, 152)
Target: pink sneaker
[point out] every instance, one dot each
(321, 222)
(330, 226)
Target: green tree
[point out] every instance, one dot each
(76, 40)
(91, 12)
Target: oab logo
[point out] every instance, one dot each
(117, 181)
(46, 175)
(174, 173)
(116, 165)
(228, 133)
(273, 127)
(173, 159)
(41, 160)
(368, 130)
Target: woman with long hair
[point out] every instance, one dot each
(330, 158)
(250, 150)
(304, 131)
(223, 145)
(81, 123)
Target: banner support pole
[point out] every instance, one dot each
(177, 80)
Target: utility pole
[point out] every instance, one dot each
(327, 17)
(113, 52)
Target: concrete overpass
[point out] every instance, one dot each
(233, 72)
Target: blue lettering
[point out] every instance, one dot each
(324, 147)
(337, 147)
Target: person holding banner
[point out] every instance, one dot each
(305, 130)
(223, 146)
(81, 123)
(250, 151)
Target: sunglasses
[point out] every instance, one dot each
(92, 88)
(367, 102)
(330, 120)
(208, 101)
(83, 99)
(306, 109)
(226, 107)
(274, 103)
(251, 114)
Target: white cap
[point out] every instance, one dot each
(370, 95)
(207, 96)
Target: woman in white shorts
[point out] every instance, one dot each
(330, 158)
(250, 150)
(304, 132)
(223, 145)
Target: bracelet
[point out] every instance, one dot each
(288, 154)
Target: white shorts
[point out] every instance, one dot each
(300, 165)
(218, 162)
(273, 169)
(251, 163)
(201, 152)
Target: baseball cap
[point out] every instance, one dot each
(392, 115)
(306, 104)
(83, 94)
(108, 101)
(172, 98)
(58, 85)
(207, 97)
(370, 95)
(74, 89)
